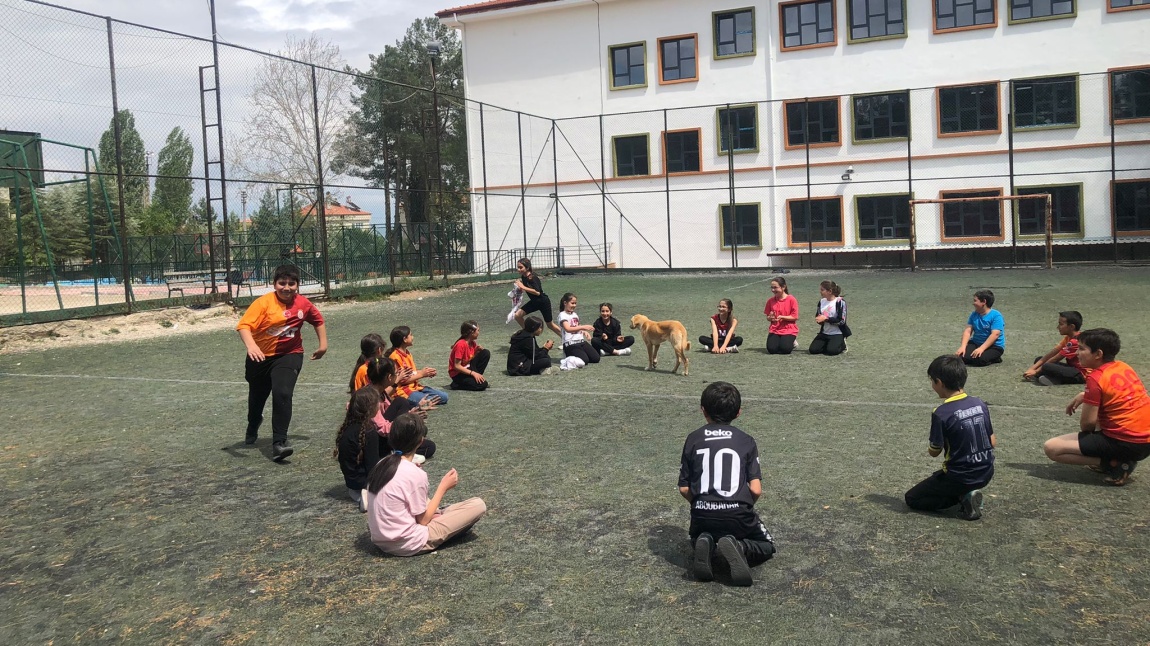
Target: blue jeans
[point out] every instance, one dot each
(427, 392)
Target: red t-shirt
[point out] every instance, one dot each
(1068, 350)
(463, 351)
(1123, 405)
(275, 327)
(788, 306)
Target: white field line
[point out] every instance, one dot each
(591, 393)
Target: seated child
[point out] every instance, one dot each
(723, 325)
(984, 338)
(403, 521)
(1115, 421)
(402, 339)
(357, 442)
(526, 356)
(608, 337)
(370, 347)
(468, 360)
(960, 429)
(1047, 370)
(719, 475)
(381, 375)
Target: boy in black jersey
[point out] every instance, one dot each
(721, 478)
(961, 427)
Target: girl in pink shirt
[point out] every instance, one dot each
(403, 522)
(782, 311)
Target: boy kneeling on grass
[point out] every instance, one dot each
(961, 427)
(1115, 421)
(719, 475)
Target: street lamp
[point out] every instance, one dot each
(244, 206)
(434, 48)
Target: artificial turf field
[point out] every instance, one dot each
(133, 513)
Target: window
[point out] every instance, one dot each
(677, 59)
(876, 19)
(815, 122)
(1130, 94)
(746, 225)
(631, 156)
(881, 116)
(735, 33)
(1132, 205)
(826, 221)
(883, 217)
(1046, 102)
(808, 23)
(1021, 10)
(738, 127)
(628, 66)
(1065, 207)
(968, 109)
(1124, 5)
(964, 14)
(682, 150)
(979, 220)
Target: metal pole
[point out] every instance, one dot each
(555, 170)
(1010, 162)
(486, 211)
(322, 195)
(667, 189)
(603, 193)
(913, 239)
(20, 250)
(909, 164)
(125, 268)
(1113, 186)
(209, 214)
(731, 189)
(522, 182)
(223, 174)
(92, 229)
(1049, 232)
(807, 204)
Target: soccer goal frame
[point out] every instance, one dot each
(1049, 218)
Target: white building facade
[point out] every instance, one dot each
(702, 134)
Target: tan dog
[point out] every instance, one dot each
(655, 333)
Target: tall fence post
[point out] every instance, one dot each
(1113, 185)
(522, 182)
(909, 162)
(486, 211)
(807, 204)
(731, 189)
(223, 173)
(321, 200)
(603, 192)
(1010, 168)
(555, 185)
(913, 238)
(123, 232)
(667, 188)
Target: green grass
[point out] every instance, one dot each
(134, 514)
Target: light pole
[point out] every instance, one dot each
(433, 51)
(148, 177)
(244, 204)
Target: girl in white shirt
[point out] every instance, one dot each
(576, 347)
(403, 522)
(832, 318)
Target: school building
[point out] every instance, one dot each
(703, 133)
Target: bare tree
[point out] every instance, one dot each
(279, 139)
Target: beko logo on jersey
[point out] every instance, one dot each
(717, 433)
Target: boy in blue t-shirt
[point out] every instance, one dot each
(961, 428)
(984, 338)
(719, 475)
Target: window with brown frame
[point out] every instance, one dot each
(982, 219)
(1130, 94)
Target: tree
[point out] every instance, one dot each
(135, 162)
(391, 141)
(279, 139)
(172, 203)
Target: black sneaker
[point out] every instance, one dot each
(250, 439)
(1120, 475)
(281, 450)
(731, 551)
(701, 564)
(971, 505)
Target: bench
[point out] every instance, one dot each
(242, 279)
(177, 281)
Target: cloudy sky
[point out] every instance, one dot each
(58, 82)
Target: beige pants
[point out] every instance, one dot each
(452, 521)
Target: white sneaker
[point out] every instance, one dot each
(625, 352)
(733, 349)
(418, 460)
(602, 353)
(566, 364)
(548, 371)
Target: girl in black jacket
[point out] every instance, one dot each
(526, 356)
(608, 338)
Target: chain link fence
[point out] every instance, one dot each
(142, 167)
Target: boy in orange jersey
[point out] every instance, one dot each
(1115, 418)
(270, 330)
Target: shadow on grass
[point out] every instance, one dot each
(1058, 472)
(893, 503)
(263, 446)
(670, 543)
(364, 545)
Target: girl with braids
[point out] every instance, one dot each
(357, 442)
(402, 519)
(381, 376)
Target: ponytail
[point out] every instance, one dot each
(832, 287)
(369, 347)
(407, 433)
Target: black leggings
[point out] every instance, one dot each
(993, 354)
(582, 350)
(938, 492)
(828, 344)
(611, 345)
(709, 342)
(478, 364)
(1060, 373)
(274, 376)
(780, 343)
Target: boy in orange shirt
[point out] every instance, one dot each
(270, 330)
(1115, 422)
